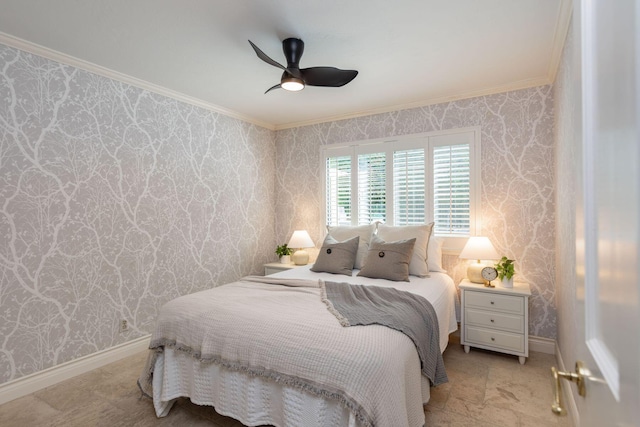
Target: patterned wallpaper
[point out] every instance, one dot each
(114, 200)
(517, 179)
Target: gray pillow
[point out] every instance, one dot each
(344, 232)
(336, 257)
(388, 260)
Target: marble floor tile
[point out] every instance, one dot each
(97, 415)
(26, 411)
(439, 396)
(496, 416)
(514, 394)
(535, 421)
(485, 389)
(78, 392)
(451, 419)
(470, 390)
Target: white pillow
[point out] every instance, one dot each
(434, 252)
(418, 265)
(346, 232)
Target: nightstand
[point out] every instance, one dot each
(275, 267)
(495, 318)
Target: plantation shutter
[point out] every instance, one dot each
(408, 186)
(451, 189)
(372, 198)
(338, 190)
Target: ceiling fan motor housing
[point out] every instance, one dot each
(293, 50)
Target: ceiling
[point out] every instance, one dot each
(408, 52)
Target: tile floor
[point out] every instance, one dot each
(485, 389)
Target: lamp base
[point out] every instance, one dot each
(300, 257)
(474, 272)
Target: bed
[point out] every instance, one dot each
(340, 376)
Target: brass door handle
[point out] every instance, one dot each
(578, 377)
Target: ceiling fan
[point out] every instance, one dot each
(294, 78)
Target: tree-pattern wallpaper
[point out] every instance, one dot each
(114, 200)
(517, 179)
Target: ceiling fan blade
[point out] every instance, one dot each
(272, 88)
(327, 76)
(265, 58)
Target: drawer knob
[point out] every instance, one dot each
(491, 302)
(493, 339)
(492, 320)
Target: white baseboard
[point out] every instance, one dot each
(567, 395)
(542, 345)
(48, 377)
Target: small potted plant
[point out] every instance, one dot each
(284, 252)
(505, 269)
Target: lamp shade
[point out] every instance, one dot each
(300, 239)
(479, 247)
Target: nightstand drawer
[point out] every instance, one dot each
(505, 322)
(494, 302)
(493, 338)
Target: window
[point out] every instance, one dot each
(338, 190)
(451, 190)
(409, 180)
(408, 186)
(372, 200)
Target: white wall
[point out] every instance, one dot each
(568, 136)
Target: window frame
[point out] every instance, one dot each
(428, 141)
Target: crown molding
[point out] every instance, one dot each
(63, 58)
(523, 84)
(560, 37)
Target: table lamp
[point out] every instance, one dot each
(478, 248)
(300, 240)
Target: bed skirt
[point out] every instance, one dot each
(250, 399)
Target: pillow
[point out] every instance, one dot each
(422, 233)
(342, 233)
(336, 257)
(388, 260)
(435, 255)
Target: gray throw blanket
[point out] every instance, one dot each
(405, 312)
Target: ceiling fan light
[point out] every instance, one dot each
(291, 83)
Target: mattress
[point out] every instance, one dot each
(258, 401)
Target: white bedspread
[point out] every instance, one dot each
(438, 289)
(255, 400)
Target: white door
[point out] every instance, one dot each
(608, 279)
